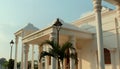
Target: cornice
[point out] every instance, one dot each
(114, 2)
(91, 17)
(37, 32)
(18, 33)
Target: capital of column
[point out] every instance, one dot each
(53, 36)
(72, 39)
(16, 39)
(97, 5)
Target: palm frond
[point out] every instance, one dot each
(67, 45)
(59, 52)
(44, 53)
(52, 43)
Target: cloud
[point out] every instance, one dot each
(86, 14)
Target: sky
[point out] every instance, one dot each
(16, 14)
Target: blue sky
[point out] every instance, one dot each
(15, 14)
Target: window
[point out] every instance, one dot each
(107, 56)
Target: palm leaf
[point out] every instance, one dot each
(44, 53)
(66, 46)
(52, 43)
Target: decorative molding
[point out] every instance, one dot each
(37, 35)
(97, 5)
(118, 11)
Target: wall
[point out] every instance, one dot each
(109, 37)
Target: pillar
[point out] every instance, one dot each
(54, 65)
(72, 62)
(32, 65)
(39, 61)
(97, 10)
(79, 59)
(26, 50)
(46, 59)
(112, 53)
(22, 52)
(16, 50)
(22, 64)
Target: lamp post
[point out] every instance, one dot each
(11, 44)
(57, 25)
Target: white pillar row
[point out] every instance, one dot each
(54, 64)
(16, 50)
(26, 50)
(32, 65)
(72, 62)
(99, 33)
(112, 54)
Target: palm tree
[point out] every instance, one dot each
(59, 52)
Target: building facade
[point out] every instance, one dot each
(95, 36)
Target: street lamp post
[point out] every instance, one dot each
(11, 44)
(57, 25)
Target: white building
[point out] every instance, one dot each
(95, 36)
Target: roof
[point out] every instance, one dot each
(28, 27)
(70, 26)
(114, 2)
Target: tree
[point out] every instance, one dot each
(3, 63)
(59, 52)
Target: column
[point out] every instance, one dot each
(22, 64)
(22, 52)
(46, 59)
(72, 62)
(117, 22)
(112, 53)
(79, 59)
(16, 50)
(32, 65)
(39, 61)
(54, 65)
(97, 10)
(26, 47)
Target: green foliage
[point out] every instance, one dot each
(59, 52)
